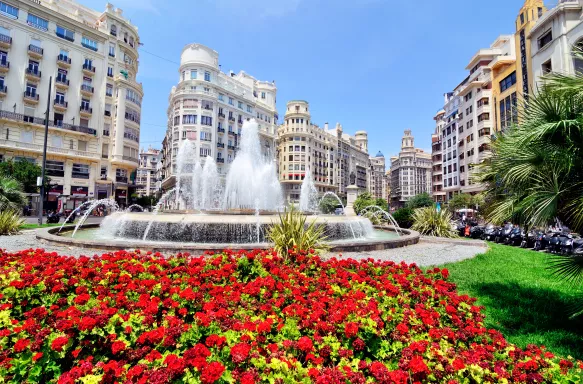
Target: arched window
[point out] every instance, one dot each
(113, 30)
(578, 57)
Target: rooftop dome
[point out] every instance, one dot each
(380, 154)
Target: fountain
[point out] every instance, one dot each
(208, 211)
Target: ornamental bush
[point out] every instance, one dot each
(248, 317)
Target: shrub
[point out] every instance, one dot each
(292, 232)
(329, 204)
(420, 201)
(250, 317)
(11, 195)
(10, 221)
(404, 217)
(362, 201)
(428, 221)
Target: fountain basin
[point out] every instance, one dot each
(91, 236)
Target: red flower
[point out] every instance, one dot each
(37, 356)
(240, 352)
(87, 323)
(21, 345)
(351, 329)
(417, 365)
(82, 299)
(117, 347)
(305, 344)
(212, 373)
(59, 343)
(458, 364)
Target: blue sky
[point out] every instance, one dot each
(375, 65)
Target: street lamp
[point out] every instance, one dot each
(42, 178)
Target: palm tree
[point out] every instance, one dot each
(11, 195)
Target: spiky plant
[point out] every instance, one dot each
(10, 220)
(11, 195)
(292, 231)
(430, 222)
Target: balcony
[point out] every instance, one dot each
(62, 83)
(231, 133)
(129, 158)
(38, 148)
(220, 145)
(106, 132)
(231, 147)
(63, 61)
(60, 105)
(232, 118)
(33, 74)
(35, 52)
(221, 115)
(4, 65)
(121, 179)
(31, 97)
(3, 90)
(85, 111)
(5, 41)
(220, 160)
(221, 130)
(87, 90)
(240, 122)
(88, 70)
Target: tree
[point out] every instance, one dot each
(362, 201)
(25, 172)
(11, 195)
(404, 217)
(328, 205)
(419, 201)
(382, 203)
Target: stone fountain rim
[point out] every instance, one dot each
(408, 237)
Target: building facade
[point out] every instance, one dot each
(410, 172)
(331, 155)
(146, 177)
(555, 37)
(437, 191)
(208, 108)
(94, 100)
(449, 143)
(378, 175)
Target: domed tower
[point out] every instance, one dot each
(361, 139)
(408, 141)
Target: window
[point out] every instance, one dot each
(240, 105)
(112, 50)
(546, 38)
(109, 90)
(205, 151)
(65, 33)
(84, 122)
(132, 115)
(522, 18)
(88, 43)
(87, 81)
(540, 11)
(113, 30)
(33, 66)
(508, 111)
(60, 98)
(547, 67)
(80, 171)
(107, 110)
(193, 74)
(263, 95)
(221, 97)
(249, 109)
(231, 101)
(206, 136)
(8, 10)
(206, 120)
(55, 168)
(207, 76)
(81, 145)
(508, 82)
(110, 71)
(135, 97)
(26, 136)
(37, 22)
(189, 119)
(31, 90)
(484, 117)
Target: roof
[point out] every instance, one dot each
(380, 154)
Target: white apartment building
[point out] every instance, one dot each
(95, 101)
(437, 191)
(333, 157)
(378, 175)
(553, 39)
(208, 108)
(146, 177)
(410, 172)
(449, 143)
(476, 119)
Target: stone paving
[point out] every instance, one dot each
(426, 253)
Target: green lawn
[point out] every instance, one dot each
(521, 299)
(35, 226)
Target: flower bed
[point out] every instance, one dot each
(246, 318)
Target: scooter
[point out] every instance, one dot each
(515, 237)
(503, 234)
(477, 232)
(490, 232)
(529, 240)
(53, 218)
(556, 242)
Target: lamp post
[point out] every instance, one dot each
(42, 178)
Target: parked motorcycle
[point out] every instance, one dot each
(503, 234)
(557, 242)
(529, 240)
(490, 232)
(515, 237)
(477, 232)
(53, 218)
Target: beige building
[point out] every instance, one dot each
(146, 175)
(410, 172)
(208, 108)
(95, 101)
(378, 177)
(334, 158)
(437, 191)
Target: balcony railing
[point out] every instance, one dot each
(132, 117)
(221, 115)
(64, 59)
(33, 72)
(220, 160)
(121, 179)
(7, 40)
(61, 103)
(89, 68)
(231, 118)
(231, 147)
(3, 89)
(87, 88)
(31, 96)
(240, 121)
(4, 63)
(35, 49)
(50, 149)
(129, 158)
(231, 133)
(62, 80)
(221, 130)
(221, 145)
(105, 132)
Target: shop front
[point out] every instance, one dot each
(79, 195)
(121, 197)
(53, 201)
